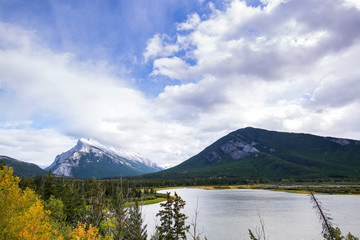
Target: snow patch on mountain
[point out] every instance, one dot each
(87, 144)
(65, 162)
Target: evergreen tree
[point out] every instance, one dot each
(136, 230)
(74, 202)
(118, 221)
(179, 218)
(329, 232)
(96, 200)
(50, 187)
(336, 234)
(172, 220)
(166, 219)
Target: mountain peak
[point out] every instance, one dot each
(90, 158)
(260, 153)
(89, 142)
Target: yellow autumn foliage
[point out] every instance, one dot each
(22, 215)
(81, 233)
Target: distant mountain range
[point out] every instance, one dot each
(92, 159)
(22, 168)
(258, 153)
(245, 153)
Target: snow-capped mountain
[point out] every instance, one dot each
(92, 159)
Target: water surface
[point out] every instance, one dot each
(228, 214)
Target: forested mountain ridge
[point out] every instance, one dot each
(22, 168)
(92, 159)
(259, 153)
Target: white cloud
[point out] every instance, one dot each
(285, 66)
(61, 96)
(268, 42)
(290, 66)
(352, 3)
(192, 22)
(158, 47)
(174, 68)
(31, 145)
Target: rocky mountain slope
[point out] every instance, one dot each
(92, 159)
(259, 153)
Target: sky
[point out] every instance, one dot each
(166, 78)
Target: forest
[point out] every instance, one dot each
(50, 207)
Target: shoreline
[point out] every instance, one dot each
(316, 189)
(301, 189)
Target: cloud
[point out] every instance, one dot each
(352, 3)
(50, 99)
(32, 145)
(281, 65)
(157, 47)
(64, 98)
(174, 68)
(268, 42)
(335, 92)
(199, 97)
(191, 23)
(339, 85)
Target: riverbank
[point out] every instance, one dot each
(153, 201)
(318, 189)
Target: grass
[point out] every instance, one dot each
(165, 188)
(153, 201)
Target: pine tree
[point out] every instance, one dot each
(166, 219)
(172, 220)
(96, 197)
(74, 202)
(50, 187)
(117, 223)
(179, 218)
(329, 232)
(136, 230)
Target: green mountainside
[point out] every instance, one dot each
(258, 153)
(22, 168)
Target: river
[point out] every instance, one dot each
(228, 214)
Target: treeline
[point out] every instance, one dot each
(59, 187)
(89, 200)
(49, 207)
(223, 181)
